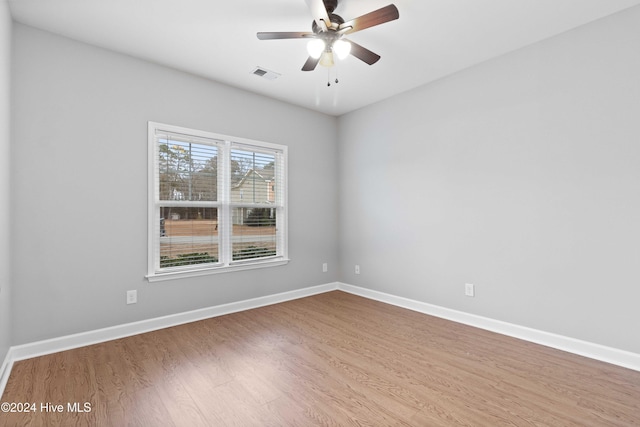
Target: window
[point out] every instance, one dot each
(216, 203)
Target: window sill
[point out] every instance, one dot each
(170, 275)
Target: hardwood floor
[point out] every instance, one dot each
(332, 359)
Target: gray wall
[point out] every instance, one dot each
(5, 206)
(80, 186)
(519, 175)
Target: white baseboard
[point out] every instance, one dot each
(583, 348)
(68, 342)
(5, 371)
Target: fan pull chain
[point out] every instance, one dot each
(329, 77)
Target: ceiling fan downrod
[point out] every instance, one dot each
(330, 5)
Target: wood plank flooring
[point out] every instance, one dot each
(333, 359)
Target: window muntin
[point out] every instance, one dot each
(216, 203)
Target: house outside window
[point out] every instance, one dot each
(216, 203)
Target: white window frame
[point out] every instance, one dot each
(224, 205)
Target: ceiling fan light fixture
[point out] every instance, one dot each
(315, 48)
(342, 48)
(326, 60)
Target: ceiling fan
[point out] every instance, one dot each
(328, 31)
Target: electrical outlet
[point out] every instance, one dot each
(357, 269)
(132, 297)
(469, 289)
(325, 267)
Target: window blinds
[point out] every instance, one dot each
(216, 202)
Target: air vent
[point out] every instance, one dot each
(267, 74)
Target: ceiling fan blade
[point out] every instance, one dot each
(311, 64)
(274, 35)
(362, 53)
(371, 19)
(319, 13)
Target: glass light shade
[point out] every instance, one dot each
(326, 60)
(342, 48)
(315, 48)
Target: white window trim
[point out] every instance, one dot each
(224, 206)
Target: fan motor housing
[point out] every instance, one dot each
(336, 20)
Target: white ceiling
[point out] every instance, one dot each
(217, 39)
